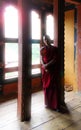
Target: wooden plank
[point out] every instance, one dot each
(42, 118)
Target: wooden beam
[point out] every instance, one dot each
(43, 1)
(73, 2)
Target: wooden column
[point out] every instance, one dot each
(1, 49)
(24, 81)
(79, 47)
(59, 41)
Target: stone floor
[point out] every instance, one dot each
(42, 118)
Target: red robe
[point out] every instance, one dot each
(50, 78)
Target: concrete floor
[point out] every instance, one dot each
(42, 118)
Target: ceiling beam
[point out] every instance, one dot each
(76, 2)
(43, 1)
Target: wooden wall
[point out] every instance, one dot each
(12, 88)
(70, 75)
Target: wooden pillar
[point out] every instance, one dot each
(79, 47)
(1, 49)
(59, 41)
(24, 81)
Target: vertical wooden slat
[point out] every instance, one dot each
(24, 82)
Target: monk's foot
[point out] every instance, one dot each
(46, 106)
(57, 110)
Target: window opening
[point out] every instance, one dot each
(11, 45)
(35, 25)
(50, 26)
(11, 55)
(35, 36)
(11, 22)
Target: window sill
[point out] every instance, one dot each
(7, 81)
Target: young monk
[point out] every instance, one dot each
(49, 60)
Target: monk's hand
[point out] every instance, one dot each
(46, 70)
(45, 66)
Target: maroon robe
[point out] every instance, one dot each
(50, 78)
